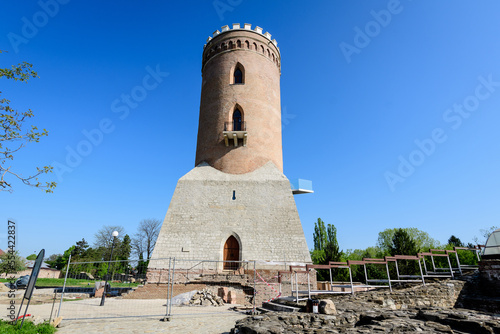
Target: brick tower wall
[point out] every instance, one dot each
(258, 98)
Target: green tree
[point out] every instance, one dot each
(123, 250)
(31, 257)
(404, 244)
(375, 271)
(52, 260)
(14, 134)
(326, 247)
(466, 257)
(320, 238)
(319, 235)
(422, 239)
(11, 262)
(142, 267)
(454, 241)
(332, 251)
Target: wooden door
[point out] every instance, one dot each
(231, 253)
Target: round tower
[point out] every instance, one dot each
(240, 113)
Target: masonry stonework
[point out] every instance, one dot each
(203, 214)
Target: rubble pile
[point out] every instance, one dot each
(206, 297)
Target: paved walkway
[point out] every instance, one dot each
(138, 316)
(178, 324)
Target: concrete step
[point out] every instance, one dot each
(279, 307)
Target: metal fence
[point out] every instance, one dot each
(170, 287)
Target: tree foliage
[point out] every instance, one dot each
(454, 241)
(423, 241)
(15, 134)
(326, 247)
(403, 244)
(11, 262)
(97, 258)
(396, 241)
(332, 251)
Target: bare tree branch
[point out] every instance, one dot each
(104, 238)
(145, 239)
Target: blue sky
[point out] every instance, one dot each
(391, 108)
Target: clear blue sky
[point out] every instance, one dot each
(362, 83)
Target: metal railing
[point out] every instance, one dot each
(234, 126)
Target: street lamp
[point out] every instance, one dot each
(114, 234)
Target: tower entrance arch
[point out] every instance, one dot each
(231, 253)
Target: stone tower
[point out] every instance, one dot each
(236, 204)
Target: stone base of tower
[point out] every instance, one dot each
(256, 211)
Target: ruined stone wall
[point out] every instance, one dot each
(442, 294)
(490, 276)
(267, 284)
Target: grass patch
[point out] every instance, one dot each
(78, 283)
(6, 327)
(74, 283)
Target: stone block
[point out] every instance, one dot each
(99, 292)
(326, 306)
(231, 299)
(223, 293)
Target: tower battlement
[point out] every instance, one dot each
(243, 39)
(246, 27)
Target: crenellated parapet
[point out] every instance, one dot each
(241, 38)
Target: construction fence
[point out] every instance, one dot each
(170, 287)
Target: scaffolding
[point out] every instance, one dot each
(372, 283)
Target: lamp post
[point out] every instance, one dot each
(114, 234)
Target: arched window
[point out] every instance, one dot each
(262, 49)
(238, 76)
(237, 121)
(255, 46)
(247, 44)
(230, 44)
(238, 44)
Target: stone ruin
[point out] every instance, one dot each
(206, 298)
(433, 308)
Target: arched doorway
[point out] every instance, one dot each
(231, 253)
